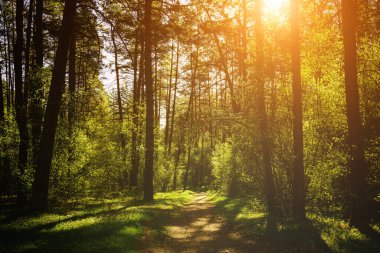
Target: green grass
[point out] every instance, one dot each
(106, 225)
(318, 234)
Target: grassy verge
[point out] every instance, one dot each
(107, 225)
(318, 234)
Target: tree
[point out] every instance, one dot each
(298, 170)
(357, 163)
(1, 96)
(20, 101)
(119, 101)
(149, 135)
(263, 118)
(36, 85)
(46, 145)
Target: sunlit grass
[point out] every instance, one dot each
(103, 225)
(318, 234)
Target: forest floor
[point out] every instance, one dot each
(213, 223)
(174, 222)
(196, 227)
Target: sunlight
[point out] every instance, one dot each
(274, 7)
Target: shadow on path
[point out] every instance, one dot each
(200, 227)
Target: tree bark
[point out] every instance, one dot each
(27, 46)
(298, 170)
(1, 95)
(119, 102)
(36, 87)
(46, 145)
(135, 158)
(149, 153)
(71, 103)
(168, 100)
(20, 102)
(357, 164)
(263, 118)
(174, 99)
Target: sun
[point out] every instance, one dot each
(274, 7)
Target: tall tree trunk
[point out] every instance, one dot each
(119, 102)
(168, 100)
(27, 46)
(135, 159)
(9, 37)
(186, 175)
(157, 92)
(174, 98)
(244, 43)
(71, 104)
(5, 56)
(149, 153)
(46, 145)
(36, 87)
(1, 95)
(358, 167)
(38, 37)
(298, 170)
(190, 114)
(263, 124)
(20, 102)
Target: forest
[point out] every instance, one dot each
(189, 126)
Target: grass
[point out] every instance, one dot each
(107, 225)
(318, 234)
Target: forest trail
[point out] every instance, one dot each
(197, 228)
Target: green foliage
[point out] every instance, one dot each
(9, 139)
(222, 166)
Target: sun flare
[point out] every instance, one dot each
(274, 6)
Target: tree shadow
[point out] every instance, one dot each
(108, 228)
(369, 232)
(271, 234)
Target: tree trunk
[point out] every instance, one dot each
(46, 145)
(20, 103)
(263, 118)
(186, 175)
(168, 100)
(72, 83)
(27, 46)
(298, 170)
(357, 164)
(133, 177)
(174, 99)
(9, 36)
(135, 159)
(36, 87)
(119, 102)
(71, 104)
(149, 154)
(1, 96)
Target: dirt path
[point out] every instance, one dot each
(197, 228)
